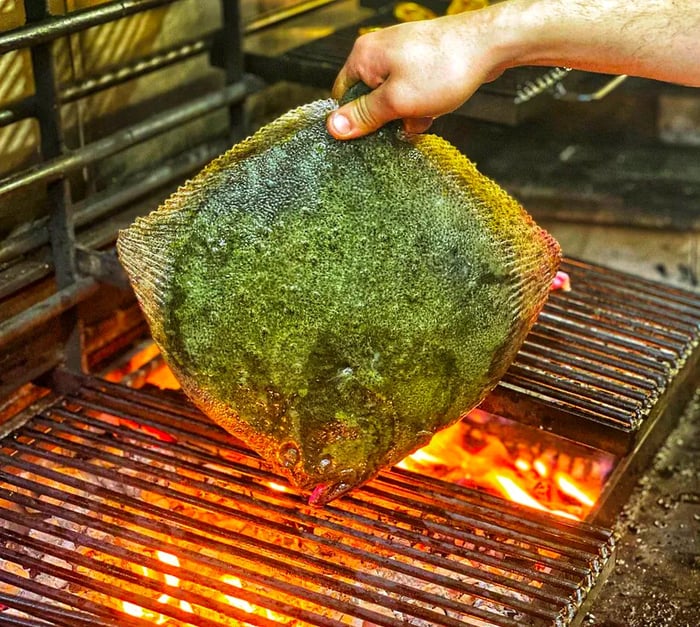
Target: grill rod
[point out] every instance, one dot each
(131, 135)
(279, 566)
(75, 21)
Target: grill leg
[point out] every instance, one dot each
(61, 230)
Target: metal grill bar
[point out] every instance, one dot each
(51, 174)
(102, 204)
(305, 521)
(85, 482)
(58, 26)
(115, 76)
(127, 137)
(136, 68)
(57, 616)
(602, 360)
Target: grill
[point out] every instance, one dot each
(123, 506)
(83, 489)
(603, 361)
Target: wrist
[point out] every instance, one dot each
(522, 36)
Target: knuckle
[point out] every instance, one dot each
(364, 112)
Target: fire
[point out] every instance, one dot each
(487, 452)
(133, 610)
(277, 487)
(170, 580)
(568, 486)
(174, 582)
(239, 603)
(154, 369)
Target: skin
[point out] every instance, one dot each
(421, 70)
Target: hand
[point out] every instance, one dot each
(417, 70)
(420, 70)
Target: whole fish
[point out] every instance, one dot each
(334, 304)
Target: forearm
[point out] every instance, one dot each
(421, 70)
(657, 39)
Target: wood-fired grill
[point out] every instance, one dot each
(80, 485)
(97, 477)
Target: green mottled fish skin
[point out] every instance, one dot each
(335, 303)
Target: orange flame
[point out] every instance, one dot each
(278, 487)
(468, 453)
(531, 479)
(568, 486)
(171, 580)
(174, 582)
(239, 603)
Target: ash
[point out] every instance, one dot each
(656, 581)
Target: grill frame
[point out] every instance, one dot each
(79, 271)
(54, 248)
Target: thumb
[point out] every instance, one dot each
(359, 117)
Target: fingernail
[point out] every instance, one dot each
(340, 124)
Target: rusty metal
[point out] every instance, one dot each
(117, 75)
(403, 548)
(49, 308)
(51, 174)
(101, 204)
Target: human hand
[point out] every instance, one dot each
(417, 71)
(421, 70)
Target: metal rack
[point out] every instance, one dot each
(131, 467)
(78, 266)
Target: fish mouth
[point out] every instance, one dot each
(323, 494)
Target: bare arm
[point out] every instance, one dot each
(421, 70)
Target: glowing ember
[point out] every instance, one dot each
(515, 493)
(171, 580)
(277, 487)
(174, 582)
(171, 560)
(540, 468)
(568, 486)
(487, 452)
(132, 610)
(239, 603)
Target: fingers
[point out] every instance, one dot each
(357, 118)
(367, 114)
(377, 61)
(343, 82)
(415, 126)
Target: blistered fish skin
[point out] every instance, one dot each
(333, 304)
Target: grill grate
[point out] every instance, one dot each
(603, 361)
(98, 480)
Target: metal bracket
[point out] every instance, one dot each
(101, 265)
(607, 84)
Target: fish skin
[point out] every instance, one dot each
(333, 304)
